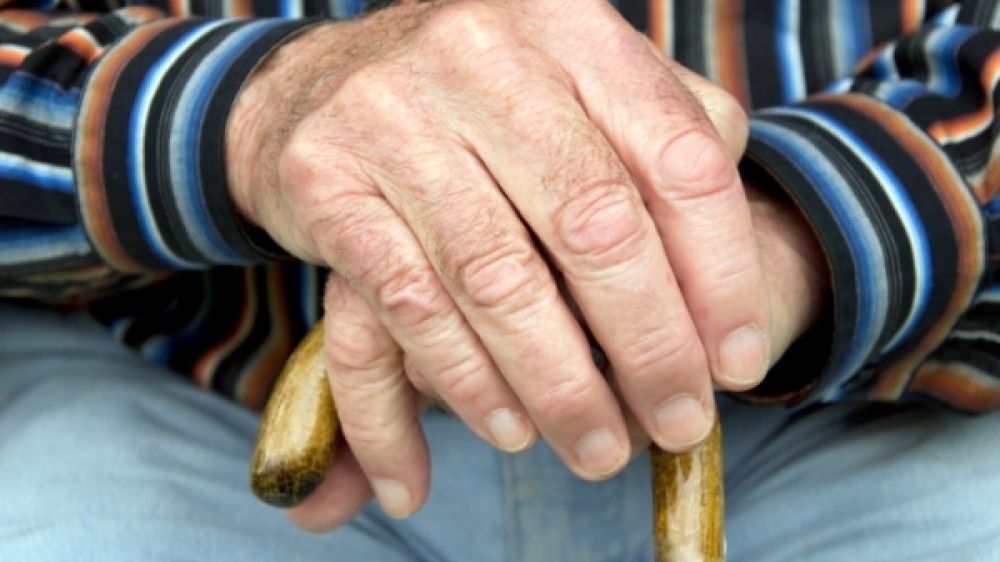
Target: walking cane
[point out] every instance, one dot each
(296, 443)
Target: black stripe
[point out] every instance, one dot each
(688, 42)
(764, 85)
(26, 201)
(984, 356)
(231, 369)
(886, 21)
(157, 149)
(35, 141)
(887, 225)
(830, 345)
(247, 241)
(932, 212)
(636, 12)
(116, 130)
(816, 41)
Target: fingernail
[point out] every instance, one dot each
(743, 356)
(393, 496)
(682, 421)
(600, 453)
(508, 431)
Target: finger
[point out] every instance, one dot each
(341, 495)
(376, 405)
(367, 242)
(486, 259)
(575, 194)
(693, 191)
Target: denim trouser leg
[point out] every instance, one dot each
(104, 457)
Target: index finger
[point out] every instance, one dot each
(693, 191)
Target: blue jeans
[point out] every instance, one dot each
(104, 457)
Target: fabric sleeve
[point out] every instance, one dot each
(111, 143)
(897, 169)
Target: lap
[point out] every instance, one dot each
(105, 457)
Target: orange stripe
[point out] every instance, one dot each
(178, 7)
(868, 58)
(204, 369)
(258, 381)
(23, 20)
(730, 60)
(990, 185)
(959, 385)
(964, 214)
(658, 12)
(94, 209)
(911, 15)
(970, 122)
(81, 43)
(12, 55)
(240, 8)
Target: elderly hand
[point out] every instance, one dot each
(422, 151)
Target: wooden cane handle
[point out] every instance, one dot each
(297, 440)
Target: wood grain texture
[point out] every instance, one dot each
(688, 503)
(297, 436)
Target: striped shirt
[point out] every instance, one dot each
(876, 117)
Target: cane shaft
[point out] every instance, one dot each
(688, 502)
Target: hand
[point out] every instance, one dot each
(797, 276)
(418, 151)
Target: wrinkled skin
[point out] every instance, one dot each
(438, 157)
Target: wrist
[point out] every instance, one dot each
(266, 110)
(794, 263)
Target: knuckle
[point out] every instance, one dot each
(656, 350)
(355, 347)
(374, 434)
(376, 92)
(411, 296)
(462, 382)
(475, 25)
(563, 399)
(694, 166)
(602, 223)
(504, 278)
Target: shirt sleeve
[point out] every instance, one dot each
(897, 169)
(111, 140)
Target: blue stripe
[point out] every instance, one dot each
(854, 37)
(150, 83)
(189, 118)
(908, 215)
(944, 55)
(837, 197)
(26, 244)
(39, 100)
(45, 177)
(347, 8)
(788, 53)
(290, 8)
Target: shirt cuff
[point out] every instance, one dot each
(902, 232)
(148, 150)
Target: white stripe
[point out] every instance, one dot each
(908, 216)
(142, 107)
(794, 84)
(61, 175)
(976, 335)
